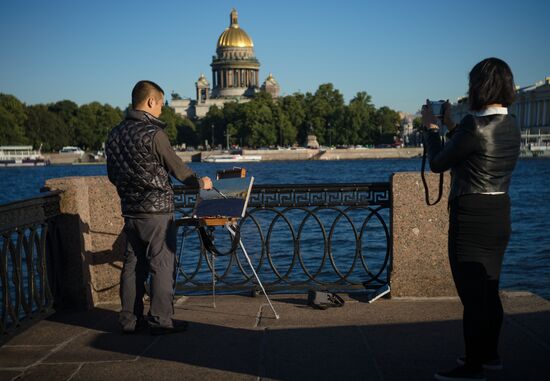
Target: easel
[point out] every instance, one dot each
(230, 224)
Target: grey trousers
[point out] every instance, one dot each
(150, 250)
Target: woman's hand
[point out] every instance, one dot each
(447, 119)
(428, 118)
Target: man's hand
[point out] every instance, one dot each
(206, 183)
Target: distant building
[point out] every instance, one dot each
(409, 136)
(271, 86)
(531, 108)
(235, 75)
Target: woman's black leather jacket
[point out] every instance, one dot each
(481, 152)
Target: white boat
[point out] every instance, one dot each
(231, 158)
(71, 150)
(21, 156)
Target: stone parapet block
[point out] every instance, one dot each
(90, 240)
(420, 259)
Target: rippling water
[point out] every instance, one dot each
(527, 260)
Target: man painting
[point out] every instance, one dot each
(140, 161)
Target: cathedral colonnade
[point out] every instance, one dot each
(224, 78)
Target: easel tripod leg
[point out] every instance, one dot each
(213, 260)
(254, 272)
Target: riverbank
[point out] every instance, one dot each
(289, 155)
(317, 154)
(270, 155)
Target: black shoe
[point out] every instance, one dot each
(461, 373)
(139, 326)
(495, 364)
(178, 326)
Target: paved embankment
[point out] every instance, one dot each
(315, 154)
(398, 339)
(336, 154)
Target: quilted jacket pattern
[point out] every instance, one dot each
(142, 183)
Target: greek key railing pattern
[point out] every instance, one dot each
(24, 287)
(333, 236)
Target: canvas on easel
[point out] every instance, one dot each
(228, 198)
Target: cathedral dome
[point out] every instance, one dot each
(234, 36)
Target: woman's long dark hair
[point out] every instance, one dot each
(491, 81)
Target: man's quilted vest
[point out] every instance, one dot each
(142, 183)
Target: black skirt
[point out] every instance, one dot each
(479, 230)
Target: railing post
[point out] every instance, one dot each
(23, 278)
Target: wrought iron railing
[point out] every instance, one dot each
(24, 282)
(333, 236)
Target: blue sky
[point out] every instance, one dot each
(400, 52)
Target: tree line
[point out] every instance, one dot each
(261, 122)
(289, 119)
(53, 126)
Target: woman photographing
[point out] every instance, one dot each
(481, 152)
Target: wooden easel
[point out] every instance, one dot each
(230, 224)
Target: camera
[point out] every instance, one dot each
(437, 108)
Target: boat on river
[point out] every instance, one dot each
(21, 156)
(231, 158)
(70, 150)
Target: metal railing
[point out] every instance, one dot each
(299, 236)
(25, 292)
(333, 236)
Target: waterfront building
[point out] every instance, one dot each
(532, 110)
(235, 74)
(21, 156)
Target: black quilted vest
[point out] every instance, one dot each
(142, 183)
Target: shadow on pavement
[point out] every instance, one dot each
(411, 351)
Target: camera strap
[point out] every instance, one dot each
(425, 183)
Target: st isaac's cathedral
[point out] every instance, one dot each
(235, 75)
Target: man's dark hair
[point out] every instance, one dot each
(145, 89)
(491, 81)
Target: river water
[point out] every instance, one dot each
(527, 261)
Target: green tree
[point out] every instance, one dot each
(169, 116)
(67, 111)
(187, 133)
(387, 122)
(107, 118)
(178, 128)
(257, 127)
(286, 132)
(45, 128)
(12, 120)
(293, 107)
(358, 121)
(214, 123)
(326, 107)
(93, 123)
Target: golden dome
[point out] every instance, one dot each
(234, 36)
